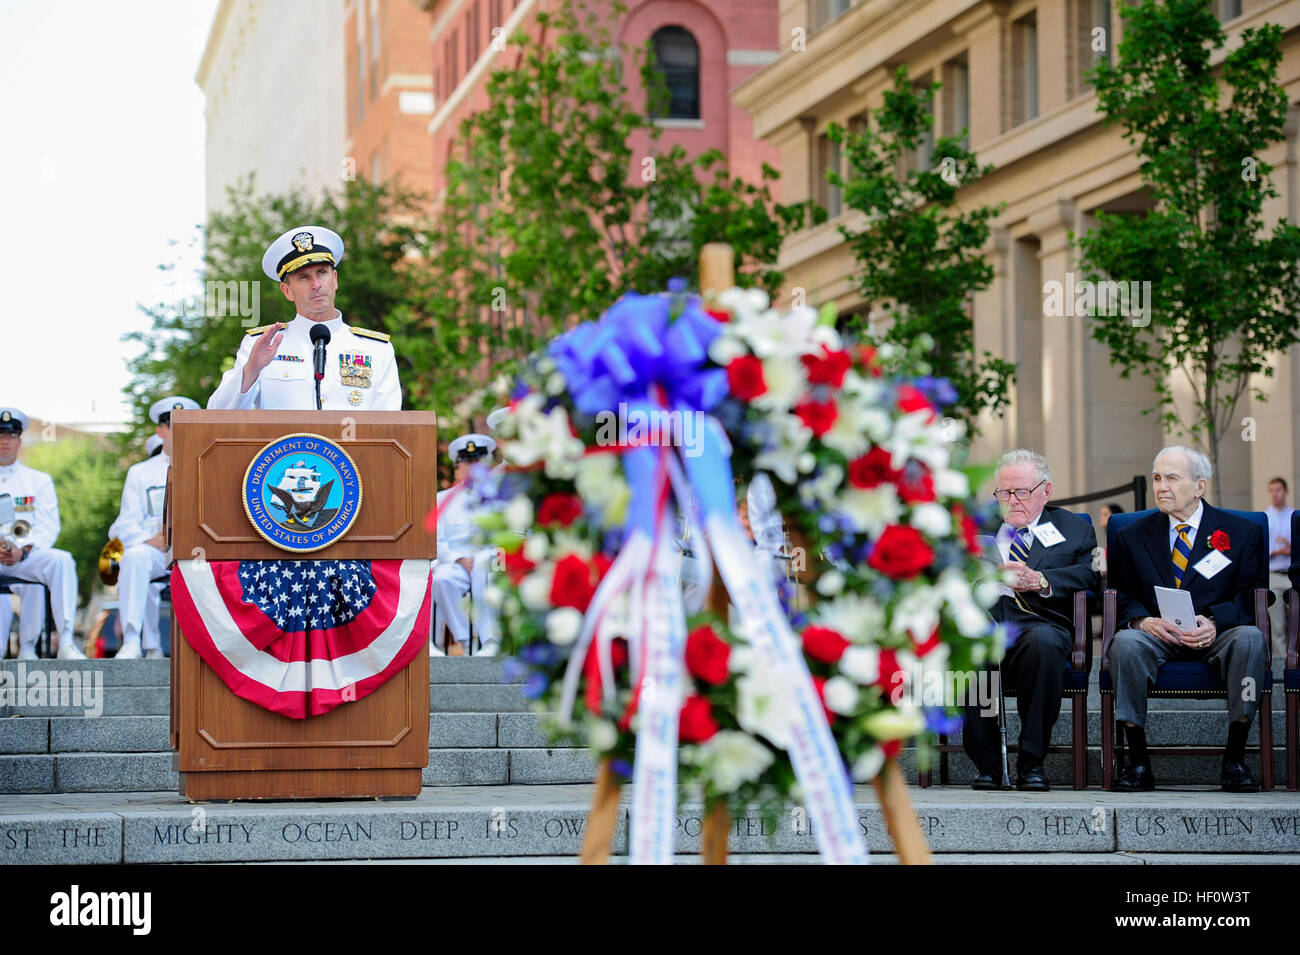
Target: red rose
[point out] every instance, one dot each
(601, 565)
(819, 682)
(1219, 541)
(697, 723)
(872, 469)
(892, 748)
(745, 375)
(901, 553)
(707, 657)
(823, 643)
(518, 566)
(969, 532)
(918, 490)
(617, 652)
(817, 415)
(561, 509)
(891, 674)
(911, 398)
(571, 586)
(721, 314)
(932, 643)
(867, 358)
(828, 368)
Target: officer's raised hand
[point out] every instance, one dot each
(263, 352)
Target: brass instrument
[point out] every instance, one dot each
(109, 560)
(13, 536)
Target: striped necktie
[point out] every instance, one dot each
(1020, 553)
(1182, 553)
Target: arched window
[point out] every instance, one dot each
(677, 59)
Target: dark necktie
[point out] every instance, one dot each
(1020, 552)
(1182, 553)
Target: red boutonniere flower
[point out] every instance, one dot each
(1219, 541)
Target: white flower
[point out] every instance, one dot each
(830, 583)
(870, 511)
(932, 519)
(767, 702)
(775, 333)
(949, 483)
(731, 759)
(918, 610)
(806, 462)
(856, 618)
(786, 380)
(826, 335)
(566, 542)
(563, 625)
(901, 722)
(519, 514)
(535, 547)
(602, 734)
(535, 590)
(792, 437)
(987, 592)
(972, 621)
(841, 695)
(555, 384)
(825, 486)
(849, 434)
(861, 664)
(494, 596)
(868, 765)
(740, 660)
(725, 349)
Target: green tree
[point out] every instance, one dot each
(1225, 292)
(551, 212)
(88, 476)
(381, 287)
(920, 257)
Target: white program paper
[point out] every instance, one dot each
(1176, 607)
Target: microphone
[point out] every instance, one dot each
(320, 337)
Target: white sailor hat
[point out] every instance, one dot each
(153, 445)
(301, 246)
(165, 406)
(12, 421)
(470, 447)
(496, 417)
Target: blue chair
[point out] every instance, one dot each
(1186, 679)
(1291, 687)
(1075, 690)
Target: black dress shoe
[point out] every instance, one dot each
(1032, 779)
(1236, 778)
(987, 781)
(1136, 778)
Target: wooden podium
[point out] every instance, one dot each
(229, 748)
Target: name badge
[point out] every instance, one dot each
(1211, 564)
(1048, 535)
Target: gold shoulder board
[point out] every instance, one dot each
(258, 331)
(367, 333)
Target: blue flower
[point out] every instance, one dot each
(621, 767)
(826, 523)
(512, 670)
(938, 721)
(676, 284)
(521, 388)
(539, 654)
(534, 686)
(939, 390)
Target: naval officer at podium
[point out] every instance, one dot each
(278, 365)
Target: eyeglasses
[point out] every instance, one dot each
(1022, 494)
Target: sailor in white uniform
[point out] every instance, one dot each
(274, 367)
(139, 526)
(460, 569)
(28, 495)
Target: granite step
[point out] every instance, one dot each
(548, 823)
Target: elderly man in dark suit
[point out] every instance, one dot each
(1050, 552)
(1216, 557)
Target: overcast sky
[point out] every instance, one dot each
(101, 172)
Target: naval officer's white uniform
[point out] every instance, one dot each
(451, 581)
(360, 372)
(140, 519)
(31, 494)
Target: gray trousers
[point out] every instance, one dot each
(1238, 655)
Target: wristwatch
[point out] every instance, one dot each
(1043, 585)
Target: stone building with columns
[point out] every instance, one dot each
(1013, 74)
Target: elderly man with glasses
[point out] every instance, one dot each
(1049, 551)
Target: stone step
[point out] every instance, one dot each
(146, 734)
(548, 824)
(877, 858)
(152, 771)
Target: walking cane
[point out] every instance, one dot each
(1002, 726)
